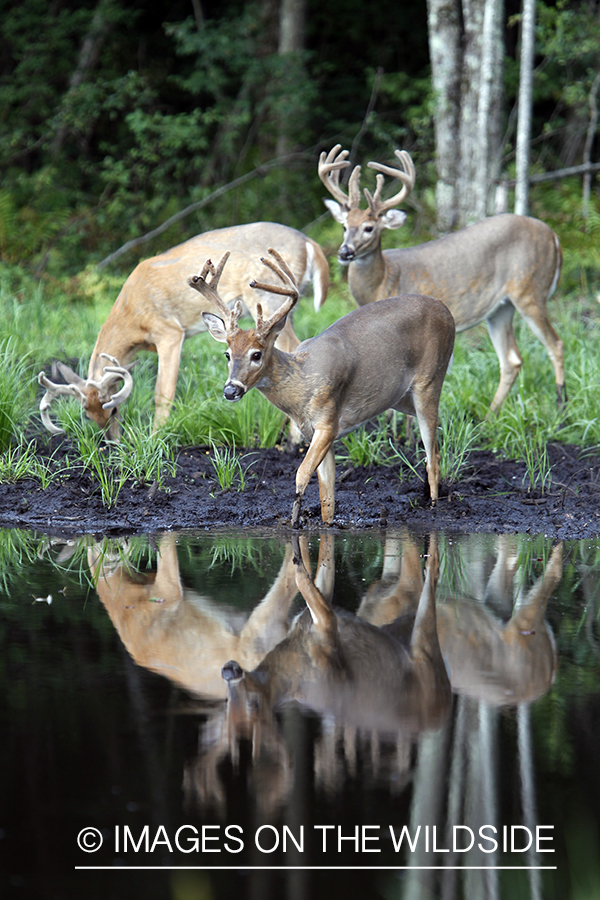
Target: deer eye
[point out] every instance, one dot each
(256, 356)
(227, 355)
(368, 229)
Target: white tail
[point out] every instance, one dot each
(482, 273)
(156, 310)
(393, 356)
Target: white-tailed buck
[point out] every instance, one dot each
(389, 679)
(156, 310)
(391, 356)
(482, 273)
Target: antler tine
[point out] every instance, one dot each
(208, 289)
(407, 175)
(52, 392)
(330, 165)
(114, 373)
(354, 189)
(289, 288)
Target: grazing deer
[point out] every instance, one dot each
(483, 272)
(393, 356)
(156, 310)
(171, 629)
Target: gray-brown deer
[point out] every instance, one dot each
(393, 356)
(388, 679)
(156, 310)
(482, 273)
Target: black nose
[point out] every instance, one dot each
(233, 391)
(345, 253)
(232, 671)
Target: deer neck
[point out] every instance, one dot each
(114, 340)
(281, 384)
(368, 277)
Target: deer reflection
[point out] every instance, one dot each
(501, 653)
(368, 686)
(498, 647)
(179, 633)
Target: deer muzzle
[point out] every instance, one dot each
(346, 253)
(232, 671)
(233, 391)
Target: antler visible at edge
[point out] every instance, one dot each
(288, 288)
(208, 289)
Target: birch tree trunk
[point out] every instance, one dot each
(467, 53)
(525, 101)
(445, 39)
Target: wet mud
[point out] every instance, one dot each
(492, 495)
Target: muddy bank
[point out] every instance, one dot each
(493, 495)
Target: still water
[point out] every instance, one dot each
(382, 716)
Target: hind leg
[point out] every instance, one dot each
(426, 403)
(502, 335)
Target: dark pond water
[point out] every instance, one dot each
(431, 738)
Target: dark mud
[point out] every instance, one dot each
(493, 495)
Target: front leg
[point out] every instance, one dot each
(168, 347)
(320, 448)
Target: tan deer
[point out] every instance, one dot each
(186, 636)
(393, 356)
(156, 310)
(482, 273)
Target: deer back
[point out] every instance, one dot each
(472, 271)
(370, 359)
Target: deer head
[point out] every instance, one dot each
(249, 352)
(98, 398)
(363, 227)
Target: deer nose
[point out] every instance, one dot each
(232, 671)
(233, 391)
(346, 253)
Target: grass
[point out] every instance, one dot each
(39, 322)
(230, 472)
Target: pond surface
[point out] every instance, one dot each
(434, 737)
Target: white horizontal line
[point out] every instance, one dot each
(317, 868)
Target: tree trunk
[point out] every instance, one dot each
(88, 56)
(445, 39)
(466, 51)
(525, 101)
(291, 41)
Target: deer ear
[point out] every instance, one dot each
(393, 218)
(339, 214)
(216, 326)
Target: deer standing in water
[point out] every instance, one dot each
(394, 355)
(482, 273)
(156, 310)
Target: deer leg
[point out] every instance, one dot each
(321, 612)
(502, 336)
(536, 317)
(426, 402)
(320, 448)
(168, 347)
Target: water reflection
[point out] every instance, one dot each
(399, 681)
(178, 632)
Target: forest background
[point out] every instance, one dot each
(127, 127)
(116, 116)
